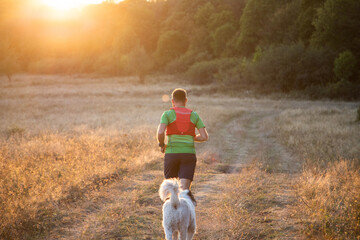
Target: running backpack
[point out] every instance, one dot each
(182, 124)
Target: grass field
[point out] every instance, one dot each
(79, 160)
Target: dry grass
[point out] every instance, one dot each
(45, 169)
(136, 214)
(329, 188)
(59, 142)
(238, 212)
(330, 201)
(325, 199)
(320, 134)
(64, 138)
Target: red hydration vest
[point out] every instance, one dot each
(182, 124)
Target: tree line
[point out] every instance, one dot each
(271, 45)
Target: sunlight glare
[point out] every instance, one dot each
(165, 98)
(63, 5)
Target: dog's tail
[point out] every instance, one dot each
(170, 187)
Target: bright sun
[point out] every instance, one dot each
(62, 5)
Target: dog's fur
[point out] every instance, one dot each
(178, 211)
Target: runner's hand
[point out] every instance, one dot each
(163, 148)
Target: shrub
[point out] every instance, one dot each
(343, 89)
(15, 131)
(232, 77)
(290, 67)
(54, 66)
(202, 72)
(205, 72)
(340, 90)
(181, 64)
(345, 66)
(106, 64)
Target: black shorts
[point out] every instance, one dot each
(180, 165)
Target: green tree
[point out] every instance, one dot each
(236, 6)
(8, 60)
(304, 22)
(337, 26)
(144, 23)
(204, 13)
(282, 27)
(124, 40)
(171, 45)
(219, 19)
(221, 37)
(139, 62)
(290, 67)
(201, 36)
(345, 66)
(178, 21)
(254, 24)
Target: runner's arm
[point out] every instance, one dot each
(161, 135)
(203, 136)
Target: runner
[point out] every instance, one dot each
(180, 123)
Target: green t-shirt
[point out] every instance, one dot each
(181, 143)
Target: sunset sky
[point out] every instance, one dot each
(68, 4)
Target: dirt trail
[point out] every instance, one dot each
(235, 151)
(245, 139)
(131, 208)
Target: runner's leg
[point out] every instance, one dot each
(185, 183)
(171, 165)
(187, 170)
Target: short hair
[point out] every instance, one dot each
(179, 95)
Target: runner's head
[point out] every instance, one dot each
(179, 97)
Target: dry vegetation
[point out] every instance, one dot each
(330, 201)
(62, 141)
(239, 212)
(326, 191)
(63, 137)
(329, 188)
(40, 170)
(320, 134)
(81, 152)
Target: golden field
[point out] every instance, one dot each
(80, 151)
(274, 197)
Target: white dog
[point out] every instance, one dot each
(178, 211)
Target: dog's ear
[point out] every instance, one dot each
(192, 197)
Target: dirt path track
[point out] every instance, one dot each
(245, 140)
